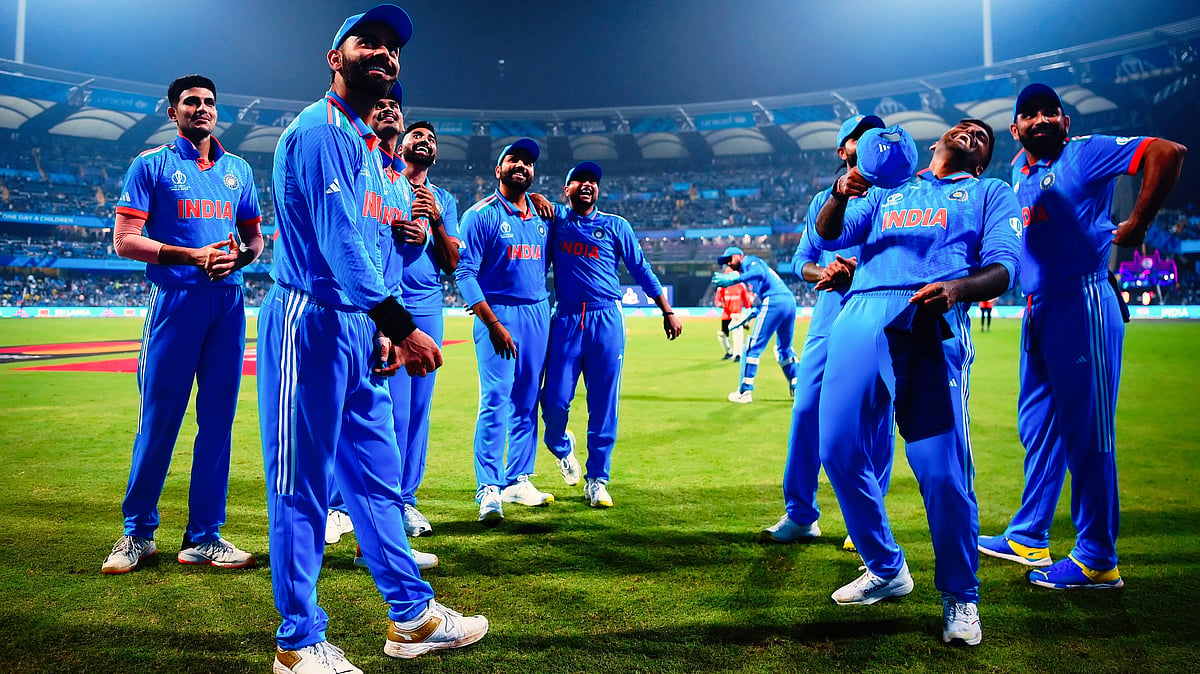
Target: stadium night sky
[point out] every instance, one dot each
(562, 54)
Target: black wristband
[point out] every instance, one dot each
(668, 313)
(492, 323)
(834, 193)
(393, 320)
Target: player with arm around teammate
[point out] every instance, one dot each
(502, 277)
(832, 272)
(1072, 333)
(587, 331)
(323, 406)
(930, 245)
(179, 207)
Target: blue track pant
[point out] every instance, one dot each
(191, 332)
(777, 318)
(321, 412)
(1066, 417)
(877, 363)
(508, 394)
(589, 339)
(804, 457)
(412, 398)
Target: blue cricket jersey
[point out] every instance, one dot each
(422, 282)
(585, 252)
(929, 230)
(1066, 203)
(763, 280)
(503, 257)
(333, 205)
(187, 202)
(399, 205)
(829, 303)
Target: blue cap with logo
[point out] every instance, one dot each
(390, 15)
(528, 144)
(396, 94)
(583, 168)
(854, 124)
(729, 253)
(1035, 90)
(887, 157)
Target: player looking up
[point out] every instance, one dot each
(903, 338)
(831, 272)
(502, 277)
(179, 207)
(322, 403)
(1073, 331)
(587, 331)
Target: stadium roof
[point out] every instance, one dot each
(1089, 77)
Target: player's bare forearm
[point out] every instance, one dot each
(831, 219)
(501, 339)
(811, 272)
(252, 241)
(445, 250)
(989, 282)
(671, 323)
(1160, 171)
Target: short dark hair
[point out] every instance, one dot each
(188, 82)
(421, 124)
(987, 159)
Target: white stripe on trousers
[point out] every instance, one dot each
(151, 307)
(285, 458)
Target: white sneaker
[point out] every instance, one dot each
(437, 627)
(319, 658)
(743, 398)
(415, 524)
(961, 621)
(597, 494)
(522, 491)
(336, 524)
(128, 552)
(569, 466)
(490, 509)
(787, 531)
(869, 588)
(220, 553)
(424, 560)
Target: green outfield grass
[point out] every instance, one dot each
(673, 579)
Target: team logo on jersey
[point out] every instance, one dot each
(231, 181)
(178, 179)
(125, 198)
(506, 231)
(599, 234)
(958, 195)
(1047, 181)
(1016, 225)
(893, 199)
(541, 230)
(1125, 140)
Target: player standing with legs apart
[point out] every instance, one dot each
(188, 196)
(322, 402)
(776, 317)
(733, 301)
(502, 278)
(429, 249)
(1073, 331)
(930, 245)
(832, 273)
(587, 332)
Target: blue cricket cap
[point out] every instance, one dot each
(390, 15)
(1035, 90)
(852, 125)
(584, 167)
(729, 253)
(887, 157)
(396, 94)
(528, 144)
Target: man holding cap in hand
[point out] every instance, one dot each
(587, 332)
(932, 244)
(1072, 333)
(502, 277)
(323, 405)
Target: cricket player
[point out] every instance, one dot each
(431, 246)
(733, 301)
(930, 246)
(777, 317)
(587, 331)
(832, 273)
(502, 277)
(323, 404)
(1073, 331)
(179, 209)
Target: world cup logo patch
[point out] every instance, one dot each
(178, 178)
(231, 181)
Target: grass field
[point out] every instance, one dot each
(673, 579)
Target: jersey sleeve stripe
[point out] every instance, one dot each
(1136, 162)
(132, 212)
